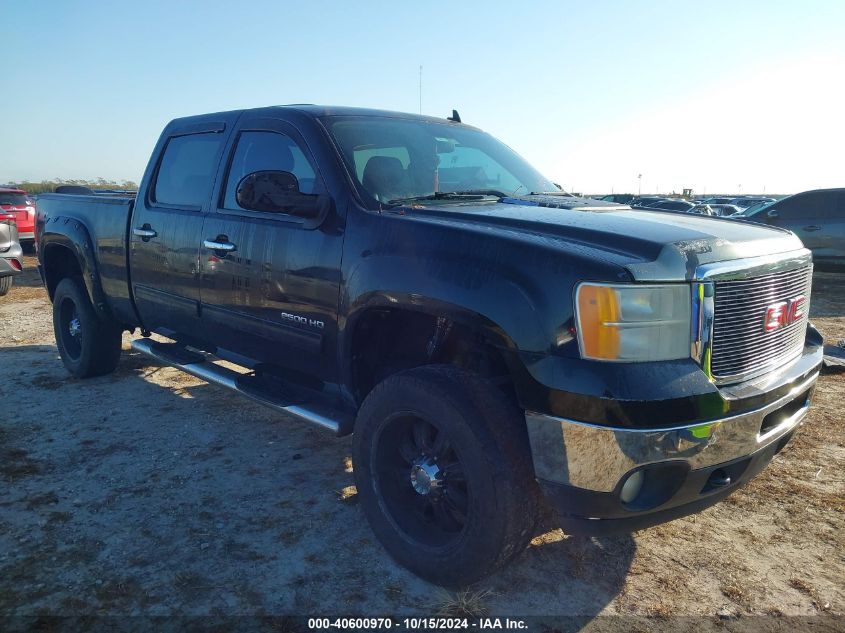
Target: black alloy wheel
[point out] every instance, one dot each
(70, 328)
(422, 480)
(88, 343)
(444, 473)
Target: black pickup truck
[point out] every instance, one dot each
(489, 338)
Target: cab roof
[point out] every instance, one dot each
(318, 111)
(324, 111)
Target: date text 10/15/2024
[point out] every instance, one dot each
(417, 623)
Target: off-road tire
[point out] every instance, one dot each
(487, 432)
(95, 349)
(5, 285)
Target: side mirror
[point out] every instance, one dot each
(773, 213)
(278, 192)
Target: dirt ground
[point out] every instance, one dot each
(151, 492)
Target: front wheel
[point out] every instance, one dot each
(444, 474)
(89, 346)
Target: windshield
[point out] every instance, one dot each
(399, 159)
(16, 199)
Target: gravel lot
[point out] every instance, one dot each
(152, 492)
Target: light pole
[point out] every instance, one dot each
(639, 184)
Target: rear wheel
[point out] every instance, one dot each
(444, 474)
(5, 285)
(89, 346)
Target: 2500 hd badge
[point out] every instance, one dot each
(303, 320)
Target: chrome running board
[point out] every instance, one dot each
(202, 366)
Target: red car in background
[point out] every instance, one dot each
(18, 203)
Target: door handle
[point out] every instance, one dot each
(213, 245)
(146, 232)
(812, 227)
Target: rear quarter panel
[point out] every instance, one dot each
(94, 228)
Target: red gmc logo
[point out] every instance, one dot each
(779, 315)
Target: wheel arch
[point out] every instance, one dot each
(418, 319)
(67, 250)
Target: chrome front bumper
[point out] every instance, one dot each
(597, 458)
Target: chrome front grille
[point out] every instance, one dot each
(741, 346)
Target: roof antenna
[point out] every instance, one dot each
(455, 117)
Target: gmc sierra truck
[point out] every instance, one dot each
(489, 338)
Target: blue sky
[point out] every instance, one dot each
(710, 95)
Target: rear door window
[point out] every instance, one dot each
(186, 170)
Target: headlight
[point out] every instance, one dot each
(633, 322)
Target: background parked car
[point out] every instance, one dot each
(17, 202)
(621, 198)
(745, 202)
(717, 200)
(11, 262)
(671, 205)
(720, 210)
(645, 201)
(702, 209)
(754, 208)
(817, 217)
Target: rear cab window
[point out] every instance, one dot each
(186, 170)
(361, 156)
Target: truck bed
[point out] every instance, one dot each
(106, 220)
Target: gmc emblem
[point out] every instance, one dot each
(779, 315)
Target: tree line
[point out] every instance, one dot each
(48, 186)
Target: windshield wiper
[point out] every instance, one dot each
(470, 194)
(485, 192)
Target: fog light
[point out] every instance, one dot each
(632, 486)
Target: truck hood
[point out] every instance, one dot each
(651, 245)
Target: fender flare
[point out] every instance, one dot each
(412, 302)
(504, 311)
(71, 234)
